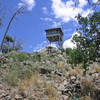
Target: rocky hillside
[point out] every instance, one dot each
(46, 76)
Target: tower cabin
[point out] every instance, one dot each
(54, 35)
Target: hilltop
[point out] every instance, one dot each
(46, 76)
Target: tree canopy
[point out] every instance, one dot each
(87, 40)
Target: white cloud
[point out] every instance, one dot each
(44, 9)
(67, 11)
(56, 24)
(29, 4)
(88, 11)
(40, 46)
(95, 1)
(82, 3)
(47, 19)
(68, 43)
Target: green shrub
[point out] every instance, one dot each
(75, 57)
(22, 56)
(17, 73)
(78, 56)
(12, 78)
(25, 74)
(68, 50)
(36, 57)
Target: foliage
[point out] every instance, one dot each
(19, 11)
(22, 57)
(17, 72)
(89, 38)
(62, 50)
(87, 42)
(18, 45)
(7, 44)
(10, 44)
(36, 57)
(9, 38)
(11, 77)
(75, 57)
(68, 50)
(78, 56)
(75, 97)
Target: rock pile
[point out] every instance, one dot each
(55, 80)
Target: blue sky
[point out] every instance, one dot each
(40, 15)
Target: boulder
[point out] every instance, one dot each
(18, 97)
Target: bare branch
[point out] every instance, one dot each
(7, 29)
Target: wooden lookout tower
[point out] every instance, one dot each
(55, 35)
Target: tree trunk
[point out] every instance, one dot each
(7, 29)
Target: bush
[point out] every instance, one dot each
(68, 50)
(19, 56)
(25, 74)
(36, 57)
(75, 57)
(12, 78)
(78, 56)
(17, 73)
(22, 56)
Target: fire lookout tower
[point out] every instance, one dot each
(55, 35)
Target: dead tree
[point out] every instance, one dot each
(19, 11)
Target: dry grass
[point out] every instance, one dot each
(50, 91)
(52, 98)
(33, 82)
(12, 78)
(61, 66)
(88, 87)
(77, 71)
(41, 87)
(86, 98)
(97, 69)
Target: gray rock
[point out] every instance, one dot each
(8, 97)
(18, 97)
(1, 86)
(72, 79)
(3, 95)
(58, 73)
